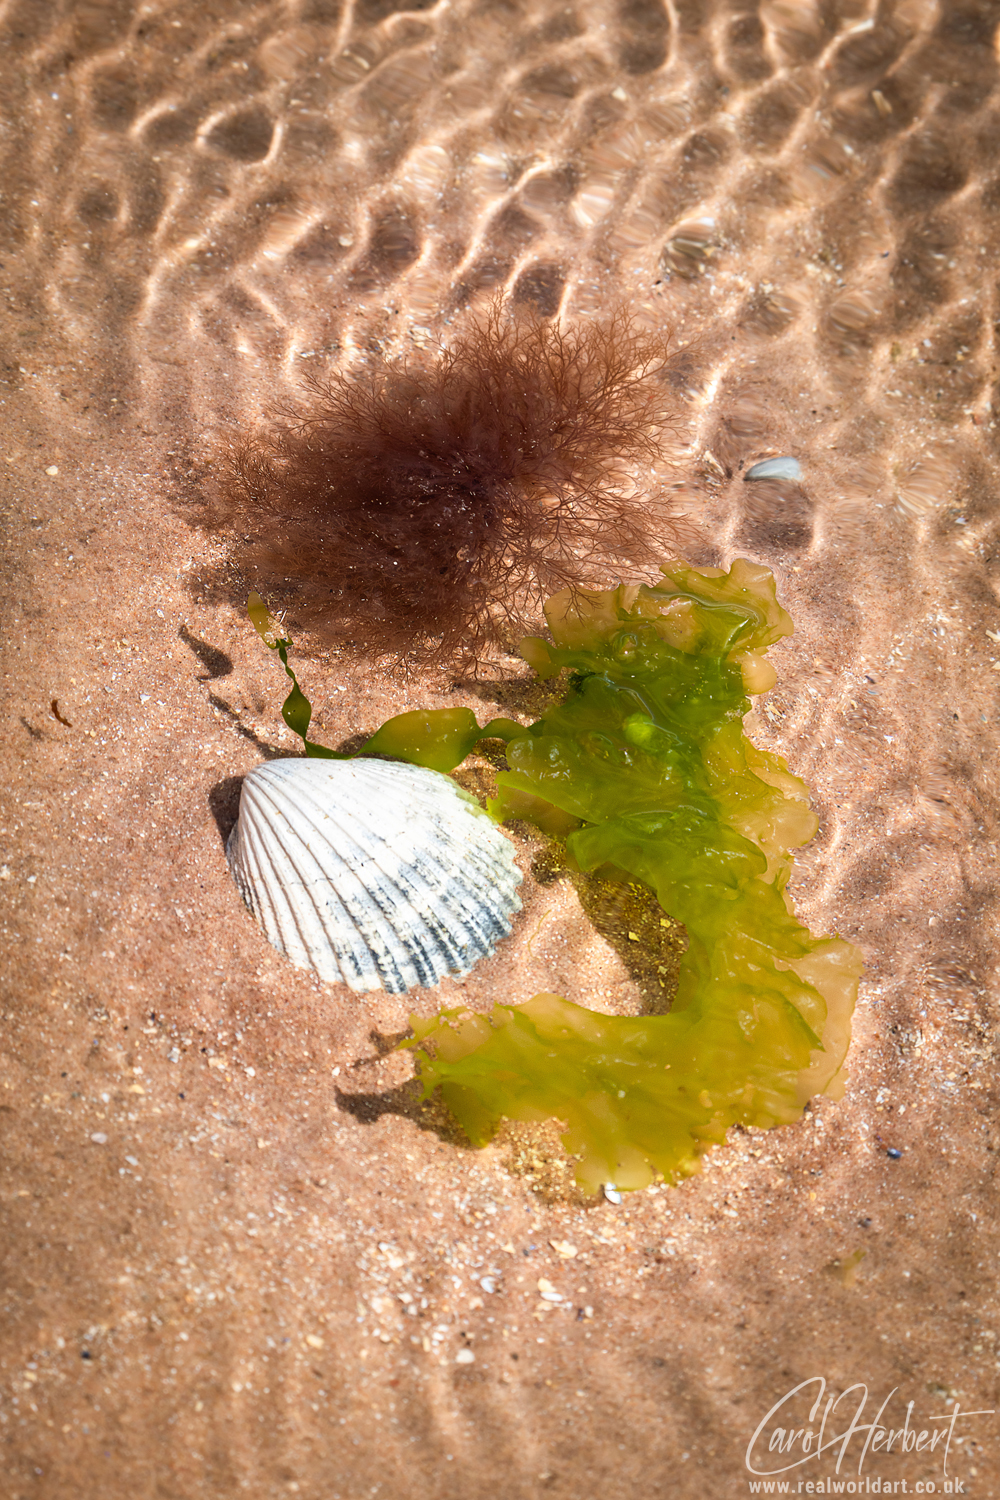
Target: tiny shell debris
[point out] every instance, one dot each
(465, 1357)
(784, 467)
(611, 1193)
(845, 1268)
(372, 874)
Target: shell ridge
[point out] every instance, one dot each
(438, 886)
(369, 917)
(426, 896)
(371, 906)
(496, 880)
(325, 900)
(347, 839)
(421, 886)
(475, 926)
(280, 915)
(265, 898)
(421, 896)
(343, 915)
(372, 874)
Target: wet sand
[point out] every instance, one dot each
(218, 1189)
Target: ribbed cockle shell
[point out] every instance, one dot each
(374, 874)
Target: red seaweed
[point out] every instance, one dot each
(423, 508)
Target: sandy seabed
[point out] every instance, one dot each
(237, 1257)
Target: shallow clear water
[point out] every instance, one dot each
(202, 205)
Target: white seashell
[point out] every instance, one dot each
(785, 467)
(373, 874)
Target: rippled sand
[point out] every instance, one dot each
(218, 1192)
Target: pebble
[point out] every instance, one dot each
(776, 468)
(893, 1153)
(465, 1357)
(52, 470)
(99, 1138)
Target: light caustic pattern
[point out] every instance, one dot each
(202, 203)
(248, 191)
(210, 205)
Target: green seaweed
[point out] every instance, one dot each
(296, 709)
(439, 739)
(644, 769)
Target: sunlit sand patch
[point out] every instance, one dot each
(927, 485)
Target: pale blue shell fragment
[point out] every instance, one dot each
(776, 468)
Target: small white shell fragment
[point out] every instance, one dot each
(611, 1193)
(776, 468)
(372, 874)
(465, 1357)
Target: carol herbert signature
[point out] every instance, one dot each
(835, 1425)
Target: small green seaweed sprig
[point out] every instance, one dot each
(439, 740)
(296, 709)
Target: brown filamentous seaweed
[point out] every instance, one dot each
(423, 508)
